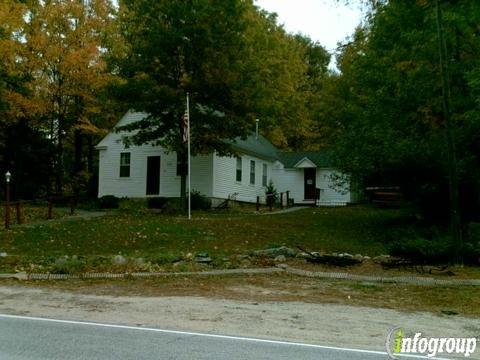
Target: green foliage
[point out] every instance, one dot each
(384, 111)
(271, 193)
(108, 202)
(423, 251)
(199, 201)
(68, 265)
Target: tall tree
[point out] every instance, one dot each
(386, 105)
(236, 63)
(65, 49)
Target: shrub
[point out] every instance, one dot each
(66, 265)
(271, 193)
(108, 202)
(199, 201)
(157, 202)
(423, 251)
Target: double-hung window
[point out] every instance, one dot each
(264, 175)
(252, 172)
(239, 169)
(125, 164)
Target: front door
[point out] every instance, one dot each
(153, 175)
(310, 183)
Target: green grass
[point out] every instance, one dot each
(145, 234)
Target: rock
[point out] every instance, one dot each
(243, 257)
(366, 257)
(3, 254)
(119, 260)
(179, 263)
(245, 263)
(280, 258)
(274, 252)
(203, 260)
(346, 255)
(202, 254)
(139, 261)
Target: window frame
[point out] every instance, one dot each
(125, 166)
(238, 169)
(264, 175)
(253, 166)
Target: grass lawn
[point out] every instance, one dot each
(159, 238)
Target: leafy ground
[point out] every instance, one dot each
(33, 213)
(142, 233)
(160, 240)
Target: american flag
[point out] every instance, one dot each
(185, 126)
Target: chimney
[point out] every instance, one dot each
(256, 128)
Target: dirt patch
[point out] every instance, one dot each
(267, 307)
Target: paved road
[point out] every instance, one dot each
(23, 338)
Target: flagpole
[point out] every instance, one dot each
(189, 176)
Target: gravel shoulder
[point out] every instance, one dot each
(327, 324)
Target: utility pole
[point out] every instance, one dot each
(451, 148)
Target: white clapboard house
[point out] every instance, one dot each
(150, 171)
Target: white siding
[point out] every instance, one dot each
(110, 182)
(225, 184)
(293, 180)
(331, 194)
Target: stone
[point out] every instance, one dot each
(243, 257)
(280, 258)
(119, 260)
(139, 261)
(203, 260)
(3, 254)
(274, 252)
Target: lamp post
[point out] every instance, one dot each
(7, 200)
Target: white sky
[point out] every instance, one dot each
(326, 21)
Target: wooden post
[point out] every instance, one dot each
(7, 206)
(50, 205)
(288, 199)
(281, 200)
(258, 203)
(18, 207)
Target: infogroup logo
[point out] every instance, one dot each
(398, 343)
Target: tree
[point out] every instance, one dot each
(65, 47)
(387, 121)
(236, 63)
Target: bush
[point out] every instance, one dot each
(66, 265)
(108, 202)
(271, 193)
(199, 201)
(424, 251)
(157, 202)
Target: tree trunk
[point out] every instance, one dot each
(59, 164)
(450, 139)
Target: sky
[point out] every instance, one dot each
(325, 21)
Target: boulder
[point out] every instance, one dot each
(280, 258)
(274, 252)
(119, 260)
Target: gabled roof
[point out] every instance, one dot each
(261, 147)
(321, 159)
